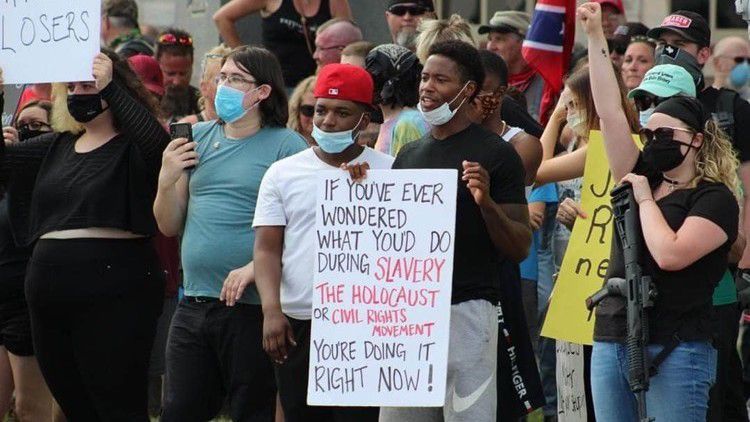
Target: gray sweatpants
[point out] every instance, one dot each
(471, 389)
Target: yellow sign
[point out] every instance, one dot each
(587, 257)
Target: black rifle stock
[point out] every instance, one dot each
(636, 288)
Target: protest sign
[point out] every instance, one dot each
(48, 40)
(587, 258)
(382, 288)
(571, 389)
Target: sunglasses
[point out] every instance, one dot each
(307, 110)
(645, 102)
(740, 59)
(663, 134)
(172, 39)
(401, 10)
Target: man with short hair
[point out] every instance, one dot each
(285, 235)
(491, 228)
(684, 38)
(332, 37)
(120, 29)
(731, 61)
(403, 18)
(174, 52)
(505, 34)
(356, 52)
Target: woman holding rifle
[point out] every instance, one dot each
(685, 182)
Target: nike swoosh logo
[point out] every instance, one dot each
(462, 403)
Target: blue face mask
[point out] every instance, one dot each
(740, 75)
(228, 103)
(335, 142)
(644, 115)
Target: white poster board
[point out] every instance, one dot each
(571, 389)
(382, 288)
(48, 40)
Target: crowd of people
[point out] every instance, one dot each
(143, 275)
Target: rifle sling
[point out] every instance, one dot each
(664, 354)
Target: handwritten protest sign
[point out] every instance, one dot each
(587, 257)
(382, 288)
(64, 34)
(571, 389)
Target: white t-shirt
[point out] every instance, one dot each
(287, 198)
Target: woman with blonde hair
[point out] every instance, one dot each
(302, 109)
(436, 30)
(685, 182)
(210, 66)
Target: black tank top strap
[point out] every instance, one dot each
(291, 41)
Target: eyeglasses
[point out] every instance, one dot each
(307, 110)
(172, 39)
(33, 126)
(234, 81)
(645, 102)
(663, 134)
(402, 9)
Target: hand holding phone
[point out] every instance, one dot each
(182, 130)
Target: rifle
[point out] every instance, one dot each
(636, 288)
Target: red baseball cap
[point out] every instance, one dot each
(344, 82)
(149, 72)
(617, 4)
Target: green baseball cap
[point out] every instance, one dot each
(666, 80)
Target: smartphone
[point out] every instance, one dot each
(181, 130)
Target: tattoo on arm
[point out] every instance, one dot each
(604, 53)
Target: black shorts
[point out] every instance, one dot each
(15, 324)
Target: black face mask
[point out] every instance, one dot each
(24, 133)
(663, 153)
(85, 107)
(669, 54)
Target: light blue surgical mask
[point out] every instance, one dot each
(644, 115)
(228, 103)
(740, 75)
(335, 142)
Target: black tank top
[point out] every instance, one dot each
(283, 35)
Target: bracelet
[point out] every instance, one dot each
(647, 199)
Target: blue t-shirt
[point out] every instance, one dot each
(530, 266)
(219, 235)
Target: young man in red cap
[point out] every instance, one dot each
(285, 234)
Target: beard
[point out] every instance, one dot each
(407, 38)
(178, 101)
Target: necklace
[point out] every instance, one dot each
(673, 184)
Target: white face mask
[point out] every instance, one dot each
(577, 124)
(443, 114)
(644, 115)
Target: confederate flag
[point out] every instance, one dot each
(548, 45)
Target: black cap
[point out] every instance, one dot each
(427, 4)
(690, 25)
(687, 109)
